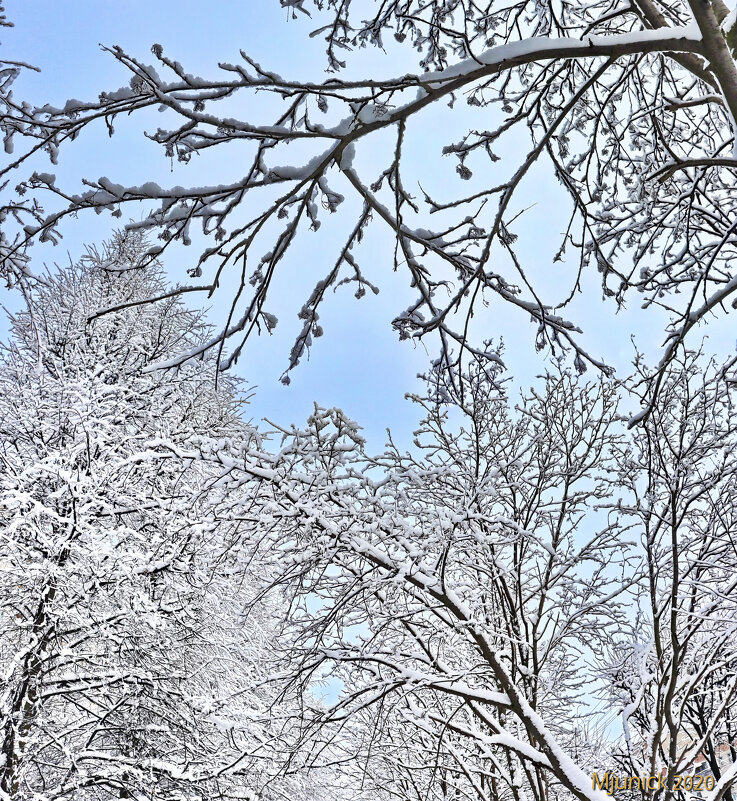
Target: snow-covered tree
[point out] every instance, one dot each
(632, 105)
(454, 595)
(173, 592)
(128, 667)
(495, 604)
(674, 676)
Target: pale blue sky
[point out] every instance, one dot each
(358, 365)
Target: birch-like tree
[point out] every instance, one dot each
(674, 676)
(128, 667)
(454, 594)
(630, 104)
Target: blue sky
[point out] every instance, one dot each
(358, 365)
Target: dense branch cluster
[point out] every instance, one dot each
(191, 608)
(187, 606)
(127, 663)
(631, 103)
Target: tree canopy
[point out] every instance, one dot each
(631, 105)
(533, 591)
(175, 589)
(129, 665)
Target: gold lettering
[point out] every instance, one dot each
(599, 784)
